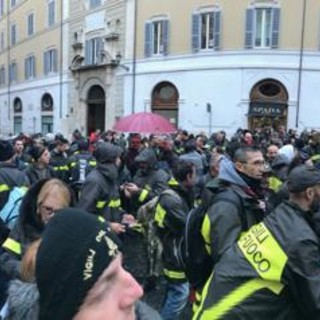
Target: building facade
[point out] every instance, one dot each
(220, 64)
(33, 66)
(97, 38)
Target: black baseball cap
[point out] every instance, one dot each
(302, 177)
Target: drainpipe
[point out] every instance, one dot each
(134, 61)
(300, 70)
(9, 57)
(61, 62)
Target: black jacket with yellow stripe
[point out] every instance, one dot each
(272, 272)
(100, 193)
(170, 218)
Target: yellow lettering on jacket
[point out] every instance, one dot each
(263, 252)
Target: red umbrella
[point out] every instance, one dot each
(144, 122)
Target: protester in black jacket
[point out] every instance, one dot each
(100, 191)
(273, 271)
(39, 167)
(170, 218)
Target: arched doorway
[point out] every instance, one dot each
(165, 97)
(268, 105)
(96, 109)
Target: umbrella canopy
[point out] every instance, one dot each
(144, 122)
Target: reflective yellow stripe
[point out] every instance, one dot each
(173, 182)
(204, 294)
(196, 302)
(100, 204)
(205, 232)
(160, 215)
(93, 163)
(12, 245)
(315, 157)
(263, 252)
(274, 183)
(174, 274)
(101, 219)
(4, 187)
(115, 203)
(61, 168)
(236, 297)
(143, 195)
(73, 164)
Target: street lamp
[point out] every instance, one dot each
(209, 110)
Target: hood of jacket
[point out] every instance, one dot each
(228, 173)
(148, 156)
(29, 221)
(109, 170)
(23, 300)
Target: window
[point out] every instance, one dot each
(17, 105)
(51, 13)
(156, 37)
(94, 3)
(30, 24)
(1, 8)
(206, 30)
(46, 124)
(2, 76)
(46, 102)
(30, 67)
(13, 72)
(94, 50)
(13, 34)
(262, 27)
(13, 3)
(50, 61)
(17, 124)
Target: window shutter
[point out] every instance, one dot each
(45, 62)
(87, 53)
(249, 29)
(34, 66)
(147, 39)
(217, 29)
(26, 68)
(99, 50)
(165, 30)
(55, 60)
(275, 27)
(195, 32)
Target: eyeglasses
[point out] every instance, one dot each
(47, 210)
(257, 163)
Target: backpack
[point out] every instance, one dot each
(198, 263)
(10, 211)
(146, 215)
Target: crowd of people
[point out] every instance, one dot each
(91, 227)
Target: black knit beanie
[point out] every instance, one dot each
(75, 250)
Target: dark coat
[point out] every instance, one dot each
(277, 262)
(100, 193)
(35, 174)
(170, 219)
